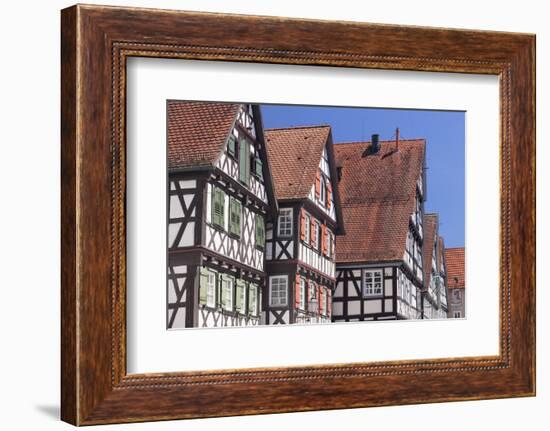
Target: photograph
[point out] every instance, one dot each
(297, 214)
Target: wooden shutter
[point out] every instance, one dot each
(329, 303)
(260, 231)
(302, 224)
(244, 161)
(252, 298)
(332, 245)
(203, 285)
(259, 167)
(218, 207)
(324, 239)
(318, 184)
(235, 217)
(329, 194)
(239, 297)
(297, 291)
(312, 233)
(231, 145)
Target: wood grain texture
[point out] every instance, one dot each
(96, 41)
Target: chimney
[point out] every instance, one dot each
(397, 139)
(375, 145)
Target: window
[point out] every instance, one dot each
(312, 292)
(227, 293)
(258, 166)
(235, 211)
(328, 246)
(240, 297)
(244, 161)
(302, 288)
(456, 294)
(253, 299)
(316, 234)
(372, 283)
(232, 145)
(307, 229)
(285, 222)
(278, 290)
(457, 315)
(260, 231)
(208, 287)
(218, 207)
(323, 192)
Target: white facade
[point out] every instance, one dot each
(241, 249)
(181, 230)
(330, 210)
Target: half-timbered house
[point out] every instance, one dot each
(220, 198)
(434, 290)
(300, 243)
(454, 258)
(379, 265)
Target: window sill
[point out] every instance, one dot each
(233, 235)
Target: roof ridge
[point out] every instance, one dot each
(297, 127)
(455, 248)
(387, 141)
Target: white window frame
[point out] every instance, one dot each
(302, 293)
(211, 289)
(328, 239)
(312, 292)
(317, 233)
(282, 300)
(285, 213)
(322, 300)
(254, 311)
(307, 231)
(369, 291)
(323, 191)
(229, 284)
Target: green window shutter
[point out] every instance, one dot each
(203, 286)
(218, 203)
(224, 291)
(260, 231)
(231, 145)
(259, 168)
(240, 296)
(244, 161)
(235, 217)
(252, 299)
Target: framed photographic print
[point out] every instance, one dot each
(281, 206)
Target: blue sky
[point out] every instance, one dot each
(444, 133)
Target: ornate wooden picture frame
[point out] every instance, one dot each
(96, 42)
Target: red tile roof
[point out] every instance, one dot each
(294, 154)
(430, 230)
(454, 258)
(378, 195)
(197, 132)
